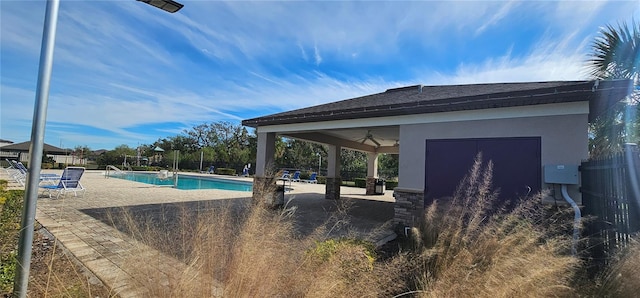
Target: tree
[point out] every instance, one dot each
(615, 55)
(353, 164)
(80, 153)
(116, 156)
(388, 165)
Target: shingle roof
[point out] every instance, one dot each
(420, 99)
(24, 147)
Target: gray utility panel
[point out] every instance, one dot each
(561, 174)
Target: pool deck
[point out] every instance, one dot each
(104, 250)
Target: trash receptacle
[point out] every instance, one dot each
(276, 200)
(379, 186)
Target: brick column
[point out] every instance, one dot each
(266, 191)
(409, 207)
(332, 190)
(371, 186)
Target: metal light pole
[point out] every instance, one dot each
(319, 163)
(35, 151)
(25, 243)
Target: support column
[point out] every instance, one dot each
(372, 173)
(408, 208)
(265, 154)
(265, 190)
(332, 190)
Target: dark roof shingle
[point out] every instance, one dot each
(420, 99)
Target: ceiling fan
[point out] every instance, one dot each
(369, 137)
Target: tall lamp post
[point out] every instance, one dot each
(25, 243)
(319, 163)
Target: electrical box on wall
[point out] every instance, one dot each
(561, 174)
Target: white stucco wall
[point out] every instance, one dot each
(564, 140)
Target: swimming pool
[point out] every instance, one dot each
(186, 182)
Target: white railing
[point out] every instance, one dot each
(109, 168)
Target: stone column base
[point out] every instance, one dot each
(371, 186)
(266, 191)
(409, 207)
(332, 191)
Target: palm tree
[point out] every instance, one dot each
(616, 55)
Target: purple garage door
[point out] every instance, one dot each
(516, 165)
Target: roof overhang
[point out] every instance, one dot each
(600, 94)
(330, 124)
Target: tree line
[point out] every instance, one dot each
(228, 145)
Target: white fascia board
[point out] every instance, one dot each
(556, 109)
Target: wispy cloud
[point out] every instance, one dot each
(316, 55)
(132, 74)
(495, 18)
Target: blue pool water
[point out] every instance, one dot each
(187, 182)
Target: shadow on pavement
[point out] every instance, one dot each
(159, 225)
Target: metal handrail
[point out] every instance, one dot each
(111, 167)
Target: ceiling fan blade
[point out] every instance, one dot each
(375, 142)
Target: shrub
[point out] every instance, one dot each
(225, 171)
(325, 250)
(10, 211)
(305, 175)
(321, 179)
(360, 182)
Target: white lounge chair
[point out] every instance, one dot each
(68, 182)
(20, 174)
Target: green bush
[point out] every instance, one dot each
(391, 184)
(324, 250)
(321, 179)
(8, 263)
(305, 175)
(225, 171)
(360, 182)
(10, 212)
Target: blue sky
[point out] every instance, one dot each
(127, 73)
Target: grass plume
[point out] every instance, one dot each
(468, 249)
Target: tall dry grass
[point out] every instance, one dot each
(622, 278)
(467, 249)
(463, 248)
(253, 250)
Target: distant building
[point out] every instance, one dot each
(5, 142)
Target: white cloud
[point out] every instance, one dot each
(130, 66)
(499, 15)
(316, 55)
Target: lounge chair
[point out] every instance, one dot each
(43, 176)
(296, 176)
(68, 182)
(19, 173)
(285, 175)
(312, 179)
(13, 171)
